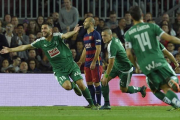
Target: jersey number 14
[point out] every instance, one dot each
(143, 40)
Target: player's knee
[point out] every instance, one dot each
(123, 89)
(67, 85)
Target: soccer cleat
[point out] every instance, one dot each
(97, 105)
(143, 91)
(105, 107)
(77, 90)
(174, 86)
(93, 107)
(88, 106)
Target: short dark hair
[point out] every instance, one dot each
(135, 12)
(49, 24)
(15, 57)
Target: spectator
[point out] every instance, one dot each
(23, 67)
(101, 24)
(26, 24)
(45, 65)
(14, 21)
(56, 30)
(170, 48)
(32, 38)
(32, 28)
(50, 21)
(39, 35)
(96, 25)
(7, 19)
(128, 19)
(89, 14)
(9, 33)
(5, 65)
(148, 16)
(69, 16)
(112, 23)
(40, 21)
(74, 54)
(55, 17)
(11, 55)
(20, 39)
(32, 63)
(177, 70)
(121, 29)
(16, 63)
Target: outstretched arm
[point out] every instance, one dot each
(69, 34)
(16, 49)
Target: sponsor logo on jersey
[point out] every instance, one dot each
(153, 65)
(88, 45)
(53, 52)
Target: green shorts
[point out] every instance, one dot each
(72, 71)
(124, 76)
(160, 77)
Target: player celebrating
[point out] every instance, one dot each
(141, 38)
(60, 58)
(119, 65)
(93, 63)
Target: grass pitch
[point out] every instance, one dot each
(80, 113)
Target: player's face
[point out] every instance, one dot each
(86, 24)
(106, 37)
(46, 31)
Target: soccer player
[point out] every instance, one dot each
(91, 56)
(141, 38)
(119, 65)
(60, 58)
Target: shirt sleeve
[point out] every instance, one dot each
(161, 47)
(127, 41)
(111, 51)
(36, 44)
(97, 38)
(158, 30)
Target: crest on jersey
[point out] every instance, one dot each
(53, 52)
(90, 37)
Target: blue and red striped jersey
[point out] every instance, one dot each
(90, 42)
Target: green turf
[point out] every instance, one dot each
(80, 113)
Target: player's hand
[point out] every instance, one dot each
(93, 65)
(104, 81)
(176, 65)
(5, 50)
(77, 28)
(79, 63)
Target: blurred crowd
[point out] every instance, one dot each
(14, 33)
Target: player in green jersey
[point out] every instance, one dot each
(119, 65)
(141, 38)
(60, 58)
(160, 95)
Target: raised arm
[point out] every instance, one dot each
(16, 49)
(69, 34)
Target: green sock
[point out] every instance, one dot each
(105, 92)
(87, 96)
(175, 102)
(160, 95)
(133, 89)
